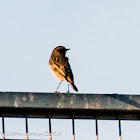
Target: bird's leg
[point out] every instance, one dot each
(68, 89)
(58, 86)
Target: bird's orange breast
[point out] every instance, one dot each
(57, 73)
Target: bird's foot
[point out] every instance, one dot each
(57, 92)
(68, 92)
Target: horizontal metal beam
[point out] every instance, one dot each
(65, 105)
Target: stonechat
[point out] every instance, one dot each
(60, 67)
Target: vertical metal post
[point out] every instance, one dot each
(27, 137)
(73, 129)
(3, 128)
(96, 123)
(120, 133)
(50, 129)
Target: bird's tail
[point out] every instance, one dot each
(73, 86)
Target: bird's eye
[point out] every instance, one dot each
(60, 51)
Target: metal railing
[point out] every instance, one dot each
(69, 106)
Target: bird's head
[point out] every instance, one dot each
(60, 50)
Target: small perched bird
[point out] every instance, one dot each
(60, 67)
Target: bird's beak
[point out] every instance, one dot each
(67, 49)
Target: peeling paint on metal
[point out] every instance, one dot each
(86, 102)
(60, 103)
(31, 97)
(24, 98)
(16, 101)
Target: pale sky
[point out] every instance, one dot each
(103, 37)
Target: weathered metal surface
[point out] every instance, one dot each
(64, 105)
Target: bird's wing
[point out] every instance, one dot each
(64, 68)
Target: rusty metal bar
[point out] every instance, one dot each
(63, 105)
(73, 129)
(96, 124)
(3, 128)
(50, 129)
(27, 136)
(120, 133)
